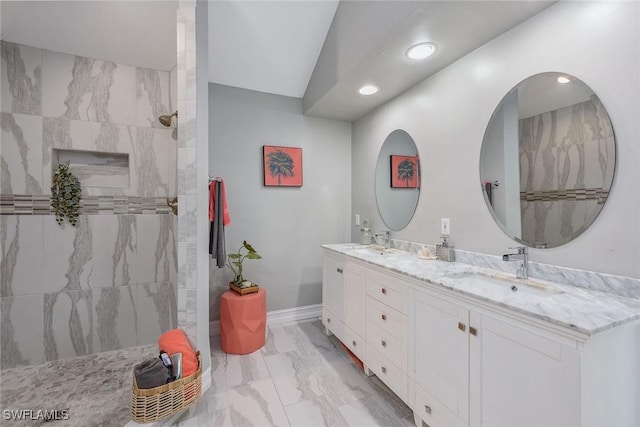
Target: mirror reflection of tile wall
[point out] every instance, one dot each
(567, 159)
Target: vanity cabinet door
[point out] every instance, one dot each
(355, 298)
(441, 366)
(332, 288)
(526, 379)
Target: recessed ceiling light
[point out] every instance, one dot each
(368, 90)
(421, 50)
(563, 80)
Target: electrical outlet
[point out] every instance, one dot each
(357, 219)
(445, 226)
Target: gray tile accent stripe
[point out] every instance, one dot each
(571, 194)
(25, 204)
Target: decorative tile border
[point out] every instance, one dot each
(572, 194)
(24, 204)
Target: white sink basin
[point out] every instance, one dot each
(487, 284)
(378, 249)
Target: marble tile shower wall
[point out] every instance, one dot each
(110, 283)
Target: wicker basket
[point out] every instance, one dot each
(152, 404)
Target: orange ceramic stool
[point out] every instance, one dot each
(243, 320)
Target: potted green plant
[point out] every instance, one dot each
(234, 262)
(66, 194)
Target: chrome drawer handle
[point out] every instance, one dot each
(384, 370)
(473, 331)
(462, 326)
(384, 291)
(384, 343)
(427, 409)
(339, 270)
(383, 317)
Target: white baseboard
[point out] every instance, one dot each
(276, 317)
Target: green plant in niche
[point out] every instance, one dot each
(66, 194)
(235, 260)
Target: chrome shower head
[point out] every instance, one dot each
(166, 120)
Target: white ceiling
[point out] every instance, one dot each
(139, 33)
(268, 46)
(274, 46)
(458, 27)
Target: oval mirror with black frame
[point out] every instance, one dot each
(397, 180)
(547, 160)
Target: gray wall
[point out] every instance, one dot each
(447, 114)
(285, 225)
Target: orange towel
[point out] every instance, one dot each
(175, 341)
(226, 219)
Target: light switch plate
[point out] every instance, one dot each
(445, 226)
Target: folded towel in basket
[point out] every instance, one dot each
(175, 341)
(151, 373)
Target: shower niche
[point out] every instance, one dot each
(95, 168)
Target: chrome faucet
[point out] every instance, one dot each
(387, 238)
(522, 258)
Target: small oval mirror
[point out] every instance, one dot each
(397, 180)
(547, 160)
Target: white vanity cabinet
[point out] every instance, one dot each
(474, 368)
(441, 361)
(343, 309)
(387, 330)
(462, 360)
(332, 294)
(523, 378)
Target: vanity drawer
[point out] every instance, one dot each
(354, 342)
(432, 412)
(386, 318)
(388, 346)
(387, 372)
(387, 290)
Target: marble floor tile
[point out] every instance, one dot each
(278, 341)
(302, 378)
(372, 411)
(242, 369)
(256, 404)
(294, 378)
(315, 412)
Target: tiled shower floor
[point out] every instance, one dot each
(299, 378)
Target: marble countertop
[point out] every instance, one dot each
(578, 309)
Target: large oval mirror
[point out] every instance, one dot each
(547, 160)
(397, 180)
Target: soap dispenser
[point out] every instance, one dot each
(444, 251)
(366, 236)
